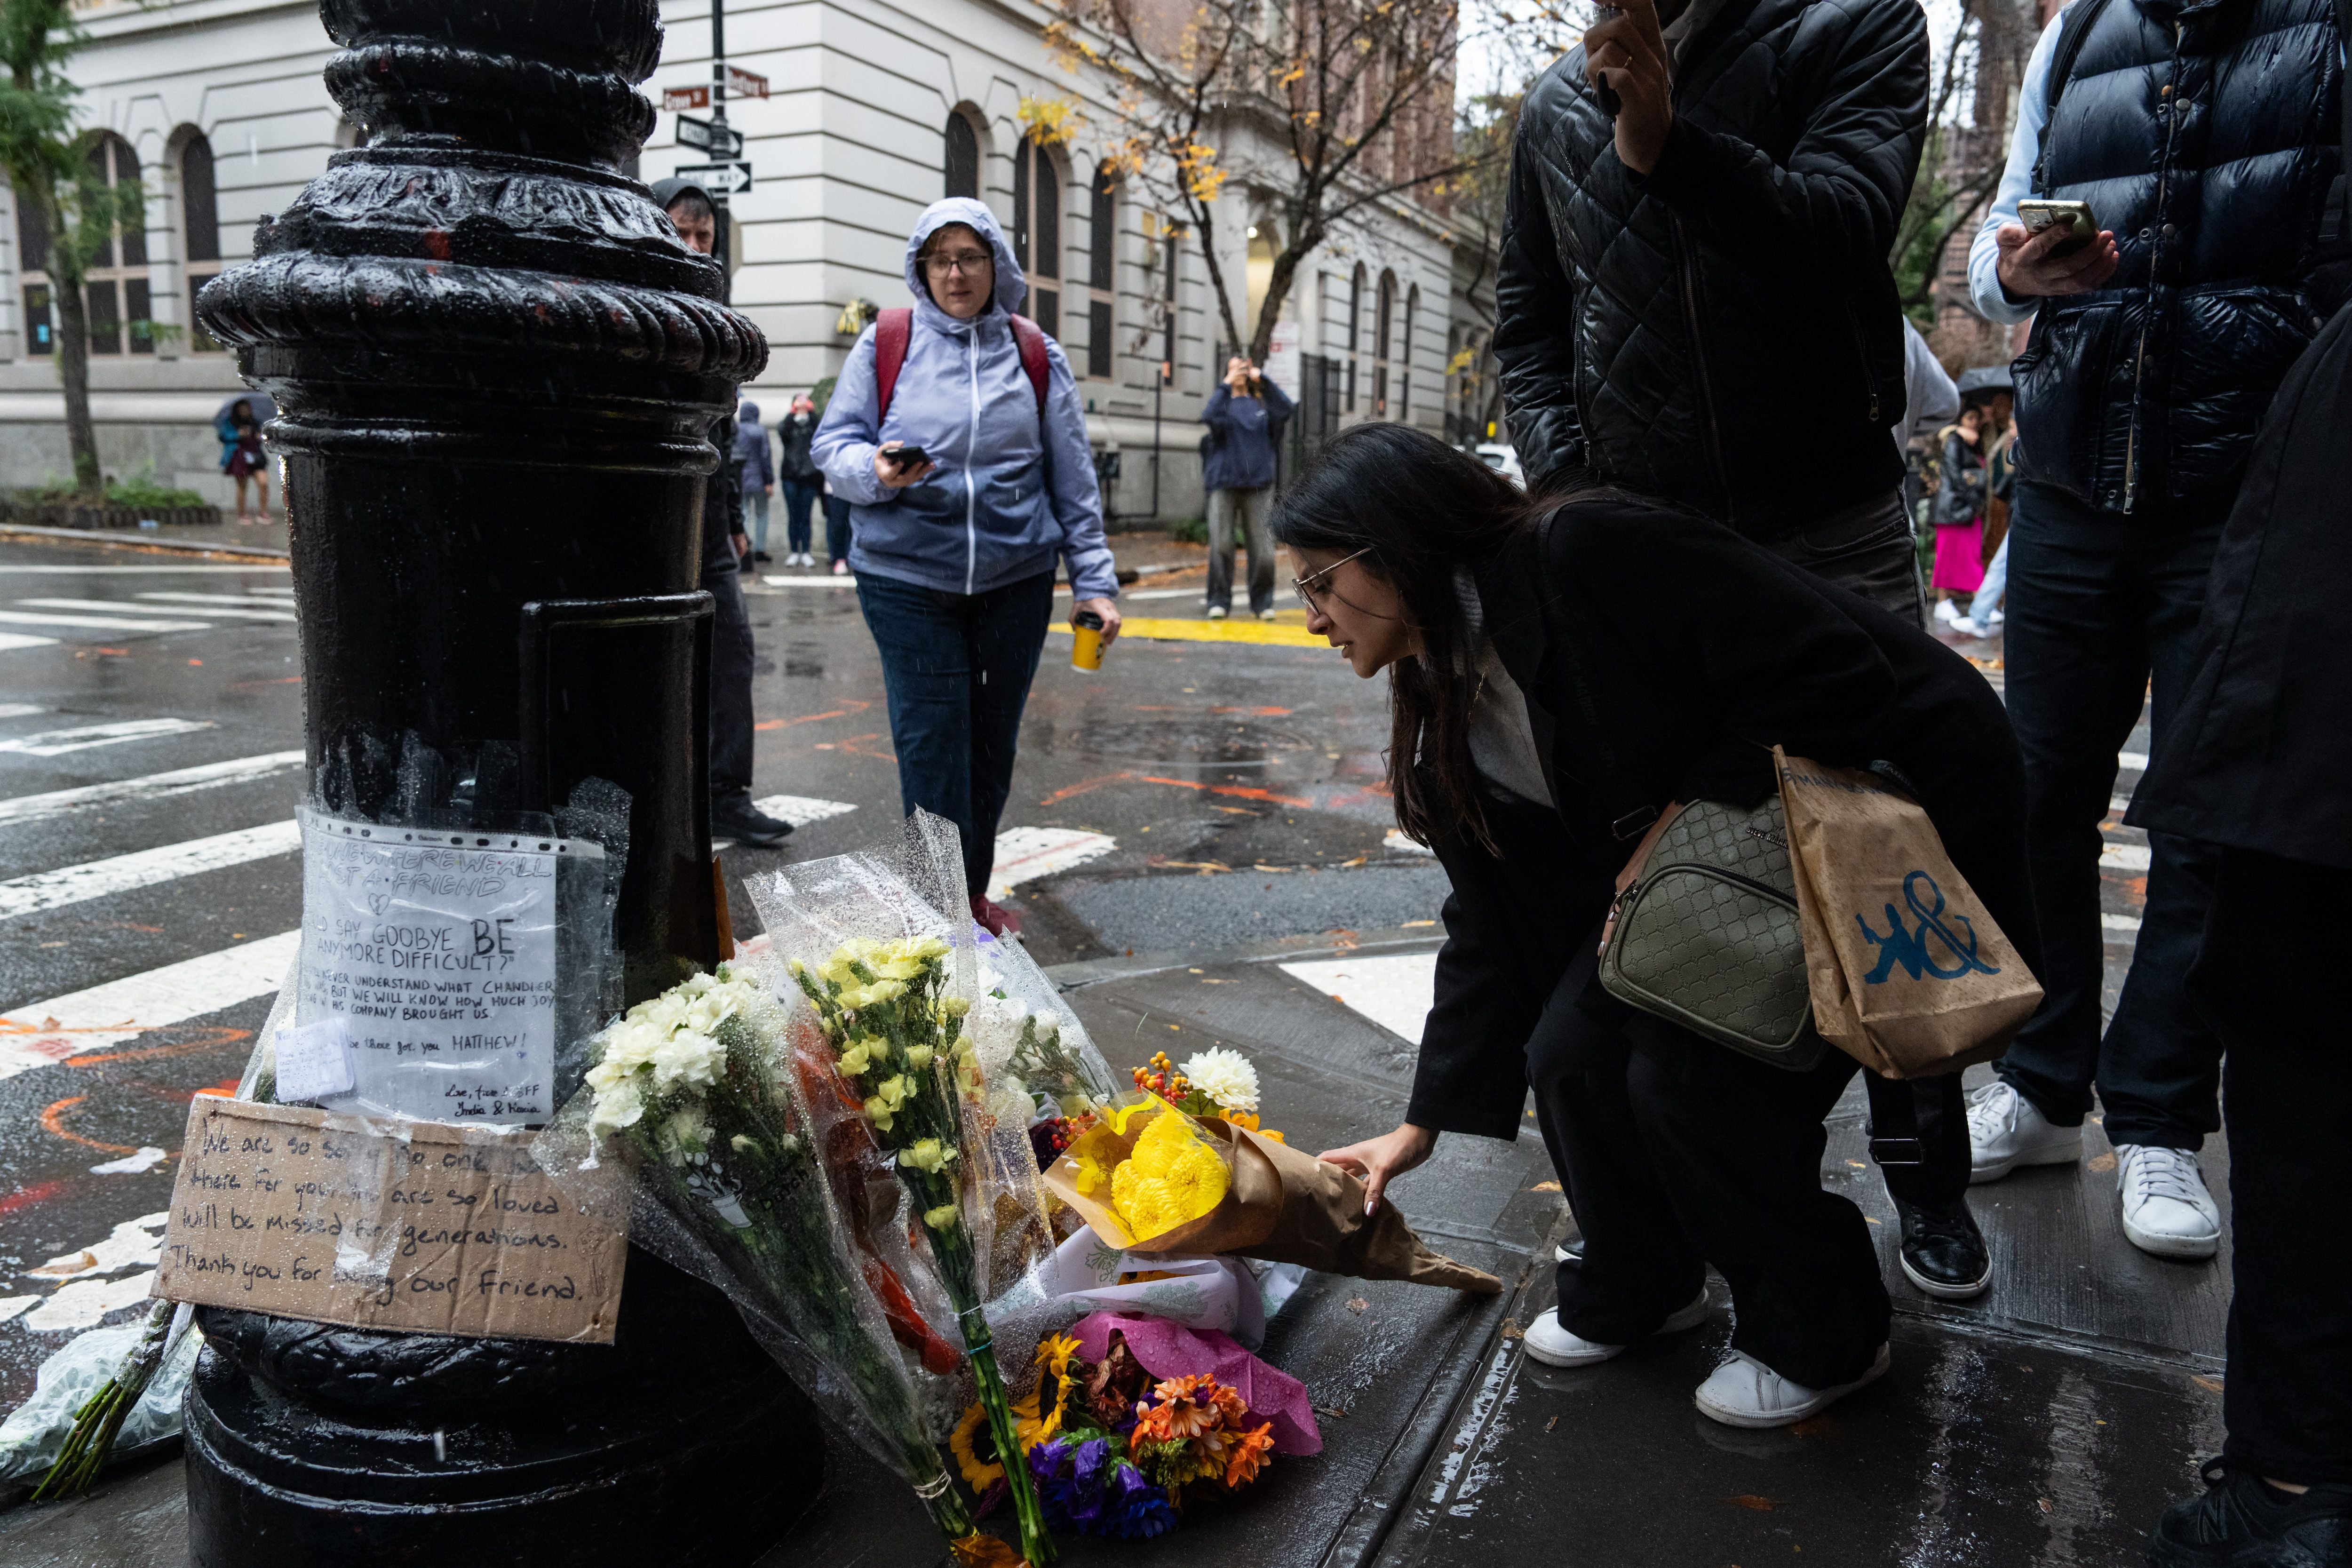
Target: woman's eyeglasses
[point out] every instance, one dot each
(968, 262)
(1303, 587)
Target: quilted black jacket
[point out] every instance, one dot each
(2205, 135)
(1725, 331)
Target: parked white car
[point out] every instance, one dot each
(1503, 459)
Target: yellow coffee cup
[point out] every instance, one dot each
(1087, 645)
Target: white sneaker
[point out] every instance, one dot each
(1744, 1392)
(1966, 626)
(1267, 614)
(2006, 1131)
(1216, 611)
(1555, 1346)
(2167, 1210)
(806, 559)
(1946, 612)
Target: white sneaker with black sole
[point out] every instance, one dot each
(1549, 1344)
(2006, 1131)
(2167, 1210)
(1744, 1392)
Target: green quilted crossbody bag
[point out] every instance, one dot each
(1707, 936)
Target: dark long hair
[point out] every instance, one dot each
(1421, 509)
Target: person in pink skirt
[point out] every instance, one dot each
(1959, 567)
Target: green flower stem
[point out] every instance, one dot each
(91, 1442)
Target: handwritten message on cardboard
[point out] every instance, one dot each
(416, 1226)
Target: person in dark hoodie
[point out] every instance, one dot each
(803, 482)
(1245, 417)
(732, 814)
(757, 474)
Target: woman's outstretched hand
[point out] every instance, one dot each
(1376, 1160)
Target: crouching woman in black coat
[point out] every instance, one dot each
(1534, 744)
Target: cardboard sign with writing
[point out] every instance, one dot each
(420, 1226)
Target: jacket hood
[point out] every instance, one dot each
(1012, 287)
(748, 412)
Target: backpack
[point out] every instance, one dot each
(892, 331)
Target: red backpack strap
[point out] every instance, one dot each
(891, 330)
(1030, 339)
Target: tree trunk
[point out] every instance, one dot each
(1277, 293)
(1204, 226)
(73, 367)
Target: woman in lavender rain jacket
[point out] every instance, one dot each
(955, 553)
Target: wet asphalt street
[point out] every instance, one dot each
(1198, 836)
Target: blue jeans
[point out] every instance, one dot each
(956, 669)
(799, 496)
(755, 516)
(836, 529)
(2103, 608)
(1995, 586)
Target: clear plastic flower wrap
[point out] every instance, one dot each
(879, 951)
(691, 1131)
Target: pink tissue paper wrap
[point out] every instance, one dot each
(1167, 1350)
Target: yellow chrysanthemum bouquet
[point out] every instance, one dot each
(1143, 1173)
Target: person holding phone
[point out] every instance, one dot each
(1244, 417)
(956, 433)
(2156, 348)
(1561, 675)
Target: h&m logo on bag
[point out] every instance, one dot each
(1909, 947)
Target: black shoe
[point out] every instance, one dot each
(1943, 1252)
(761, 556)
(747, 823)
(2241, 1523)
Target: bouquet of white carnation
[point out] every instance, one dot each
(692, 1089)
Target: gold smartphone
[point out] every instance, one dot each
(2037, 215)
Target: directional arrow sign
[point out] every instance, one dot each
(719, 179)
(719, 141)
(677, 98)
(741, 83)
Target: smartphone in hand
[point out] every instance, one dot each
(2037, 215)
(904, 458)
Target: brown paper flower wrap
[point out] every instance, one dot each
(1282, 1205)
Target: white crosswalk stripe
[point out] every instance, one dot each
(57, 743)
(248, 601)
(139, 607)
(20, 710)
(91, 1020)
(2123, 858)
(98, 623)
(153, 786)
(146, 869)
(1026, 854)
(11, 641)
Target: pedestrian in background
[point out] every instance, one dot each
(242, 458)
(1659, 657)
(2157, 345)
(724, 544)
(756, 475)
(1244, 417)
(956, 542)
(1959, 512)
(798, 472)
(1670, 255)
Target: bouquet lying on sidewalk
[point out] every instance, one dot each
(689, 1128)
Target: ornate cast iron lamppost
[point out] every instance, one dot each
(496, 366)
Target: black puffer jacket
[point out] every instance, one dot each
(2205, 136)
(1666, 333)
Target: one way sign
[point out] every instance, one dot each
(719, 179)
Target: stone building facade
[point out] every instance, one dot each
(872, 112)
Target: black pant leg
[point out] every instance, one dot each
(1639, 1267)
(1938, 1110)
(730, 688)
(1004, 632)
(1737, 1146)
(2265, 979)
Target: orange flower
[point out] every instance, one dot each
(1248, 1455)
(977, 1551)
(1187, 1408)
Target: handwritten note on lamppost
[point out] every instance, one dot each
(383, 1225)
(438, 950)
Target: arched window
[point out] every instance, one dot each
(200, 246)
(1102, 271)
(118, 299)
(1355, 332)
(1037, 233)
(962, 157)
(1384, 318)
(962, 160)
(1404, 354)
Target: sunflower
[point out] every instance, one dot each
(1038, 1420)
(970, 1432)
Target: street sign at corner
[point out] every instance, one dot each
(741, 83)
(677, 98)
(706, 136)
(720, 179)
